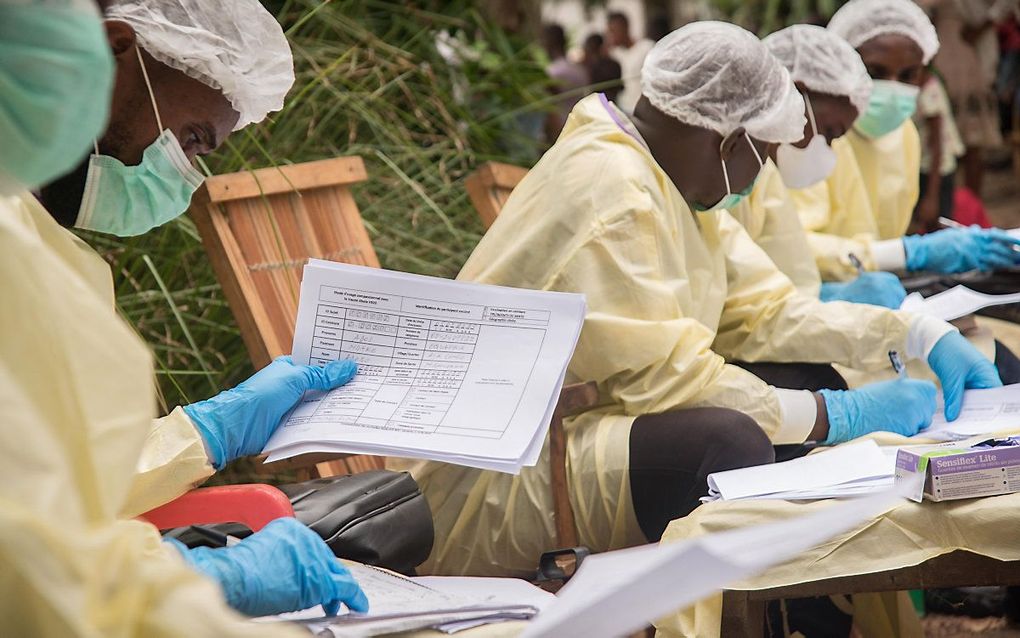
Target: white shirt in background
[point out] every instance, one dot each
(631, 61)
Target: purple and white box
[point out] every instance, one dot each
(952, 472)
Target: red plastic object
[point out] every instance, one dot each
(254, 505)
(968, 209)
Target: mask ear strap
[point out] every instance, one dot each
(754, 150)
(811, 115)
(725, 173)
(148, 85)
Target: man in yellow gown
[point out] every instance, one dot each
(629, 211)
(82, 453)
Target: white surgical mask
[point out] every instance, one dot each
(802, 167)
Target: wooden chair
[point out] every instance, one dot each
(259, 228)
(490, 186)
(743, 612)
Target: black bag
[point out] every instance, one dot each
(377, 518)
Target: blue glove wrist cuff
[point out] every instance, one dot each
(839, 424)
(197, 412)
(916, 252)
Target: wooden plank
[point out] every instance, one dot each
(285, 179)
(480, 194)
(742, 616)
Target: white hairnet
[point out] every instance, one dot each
(718, 76)
(822, 61)
(858, 21)
(234, 46)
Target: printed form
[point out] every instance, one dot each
(451, 371)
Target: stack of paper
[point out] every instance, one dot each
(398, 603)
(448, 371)
(847, 470)
(984, 412)
(619, 593)
(954, 303)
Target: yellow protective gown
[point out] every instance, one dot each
(870, 196)
(77, 399)
(671, 295)
(770, 218)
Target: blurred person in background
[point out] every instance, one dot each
(602, 69)
(568, 78)
(940, 146)
(968, 64)
(630, 54)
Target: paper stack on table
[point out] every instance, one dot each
(398, 603)
(954, 303)
(618, 593)
(449, 371)
(991, 411)
(612, 594)
(847, 470)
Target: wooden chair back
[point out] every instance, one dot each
(490, 186)
(260, 227)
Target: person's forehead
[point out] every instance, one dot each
(891, 46)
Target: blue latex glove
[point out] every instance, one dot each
(239, 422)
(961, 249)
(903, 406)
(958, 366)
(283, 567)
(875, 288)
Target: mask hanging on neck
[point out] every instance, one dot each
(730, 199)
(132, 200)
(802, 167)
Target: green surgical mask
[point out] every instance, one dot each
(731, 200)
(132, 200)
(56, 78)
(891, 104)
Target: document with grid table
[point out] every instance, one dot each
(453, 371)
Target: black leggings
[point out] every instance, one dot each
(672, 454)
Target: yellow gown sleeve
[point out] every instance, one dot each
(838, 217)
(764, 319)
(173, 461)
(770, 218)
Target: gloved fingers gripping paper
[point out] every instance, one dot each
(450, 371)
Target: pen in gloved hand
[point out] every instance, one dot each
(856, 263)
(897, 364)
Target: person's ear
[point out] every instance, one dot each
(122, 39)
(729, 143)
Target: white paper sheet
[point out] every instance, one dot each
(983, 412)
(617, 593)
(954, 303)
(398, 603)
(841, 471)
(451, 371)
